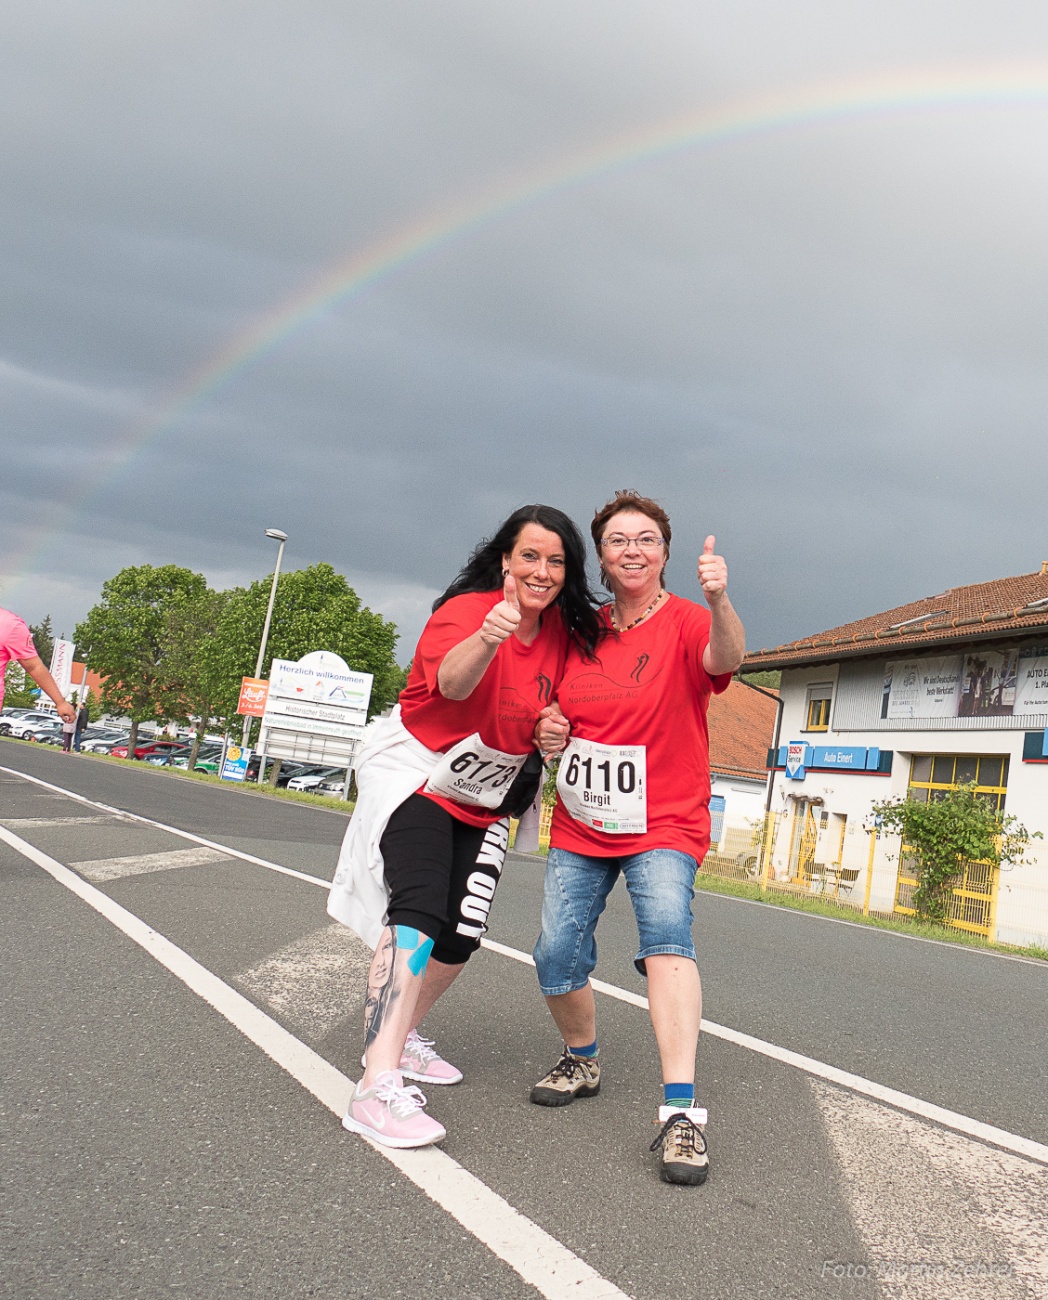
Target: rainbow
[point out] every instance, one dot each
(917, 90)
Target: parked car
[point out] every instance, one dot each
(313, 779)
(207, 760)
(146, 748)
(336, 789)
(44, 733)
(290, 769)
(13, 711)
(253, 765)
(96, 731)
(171, 757)
(27, 722)
(103, 744)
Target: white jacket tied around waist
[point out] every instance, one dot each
(390, 767)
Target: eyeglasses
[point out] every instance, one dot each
(646, 542)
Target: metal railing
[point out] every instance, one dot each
(788, 854)
(861, 871)
(972, 899)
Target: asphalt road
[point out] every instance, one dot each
(150, 1149)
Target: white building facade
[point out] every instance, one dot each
(916, 701)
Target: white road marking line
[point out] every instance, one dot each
(854, 1082)
(141, 863)
(28, 823)
(901, 1100)
(541, 1260)
(314, 982)
(922, 1196)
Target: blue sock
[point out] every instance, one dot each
(589, 1050)
(678, 1094)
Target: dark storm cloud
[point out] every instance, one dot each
(822, 344)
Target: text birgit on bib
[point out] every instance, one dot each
(472, 772)
(603, 786)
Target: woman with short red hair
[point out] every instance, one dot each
(633, 790)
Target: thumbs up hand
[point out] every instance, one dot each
(713, 572)
(503, 619)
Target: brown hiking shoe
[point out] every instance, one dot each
(572, 1076)
(685, 1156)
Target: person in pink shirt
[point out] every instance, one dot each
(16, 642)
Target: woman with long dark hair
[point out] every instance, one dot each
(437, 782)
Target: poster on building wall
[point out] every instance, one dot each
(922, 688)
(1031, 687)
(989, 684)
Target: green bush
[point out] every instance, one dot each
(943, 834)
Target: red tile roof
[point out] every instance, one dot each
(981, 612)
(742, 728)
(94, 682)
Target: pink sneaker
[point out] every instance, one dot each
(421, 1061)
(392, 1114)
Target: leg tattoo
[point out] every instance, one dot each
(386, 978)
(381, 990)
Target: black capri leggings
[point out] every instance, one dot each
(441, 874)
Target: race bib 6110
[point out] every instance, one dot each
(603, 786)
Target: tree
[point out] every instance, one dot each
(314, 609)
(193, 691)
(947, 832)
(18, 687)
(43, 635)
(768, 678)
(123, 637)
(397, 682)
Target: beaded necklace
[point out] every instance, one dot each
(641, 619)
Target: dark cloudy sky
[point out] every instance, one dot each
(823, 341)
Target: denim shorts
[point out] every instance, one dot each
(661, 884)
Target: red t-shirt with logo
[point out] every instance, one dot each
(504, 707)
(648, 687)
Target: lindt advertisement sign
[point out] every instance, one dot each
(253, 694)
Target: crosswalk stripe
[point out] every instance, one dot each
(989, 1231)
(139, 864)
(313, 982)
(27, 823)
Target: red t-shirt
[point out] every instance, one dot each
(648, 687)
(505, 705)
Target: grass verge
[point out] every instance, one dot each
(822, 907)
(264, 791)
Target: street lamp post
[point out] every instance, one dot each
(280, 537)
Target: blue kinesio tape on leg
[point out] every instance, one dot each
(413, 941)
